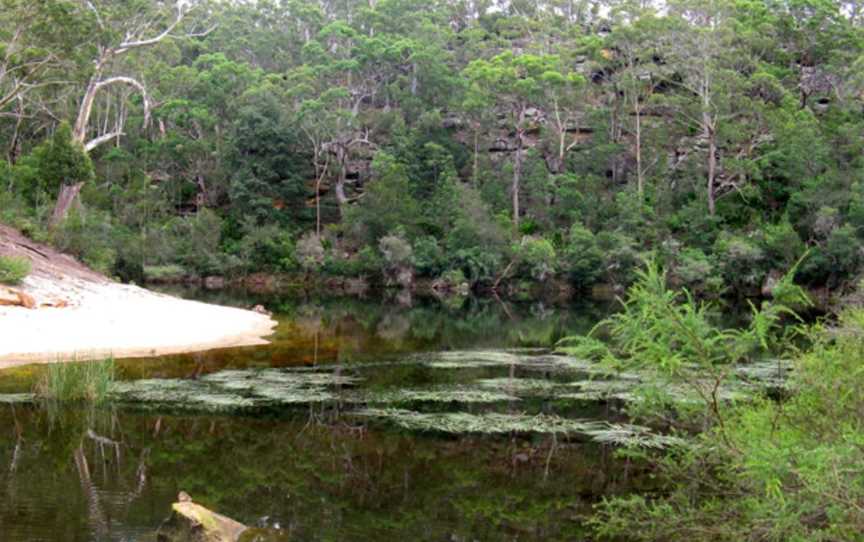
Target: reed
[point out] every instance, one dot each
(77, 381)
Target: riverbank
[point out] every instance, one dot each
(76, 313)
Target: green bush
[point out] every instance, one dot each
(396, 251)
(197, 243)
(13, 269)
(536, 257)
(583, 259)
(695, 271)
(781, 244)
(428, 256)
(621, 256)
(309, 252)
(476, 264)
(89, 236)
(367, 262)
(778, 470)
(836, 260)
(741, 262)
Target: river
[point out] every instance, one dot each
(392, 437)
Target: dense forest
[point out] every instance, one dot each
(469, 141)
(679, 151)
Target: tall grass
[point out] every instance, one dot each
(77, 381)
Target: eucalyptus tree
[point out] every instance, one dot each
(516, 85)
(707, 68)
(120, 28)
(634, 78)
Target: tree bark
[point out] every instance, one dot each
(712, 169)
(640, 181)
(341, 198)
(517, 179)
(67, 197)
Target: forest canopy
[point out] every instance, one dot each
(473, 140)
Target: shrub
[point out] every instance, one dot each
(365, 263)
(582, 257)
(310, 252)
(197, 240)
(781, 244)
(741, 261)
(536, 257)
(13, 269)
(267, 247)
(836, 260)
(428, 257)
(695, 271)
(396, 251)
(476, 264)
(620, 256)
(88, 236)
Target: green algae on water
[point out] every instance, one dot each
(498, 423)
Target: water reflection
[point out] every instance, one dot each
(112, 476)
(73, 474)
(346, 330)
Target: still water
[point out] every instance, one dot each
(317, 470)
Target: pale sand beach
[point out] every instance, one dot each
(80, 315)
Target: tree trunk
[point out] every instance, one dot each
(68, 196)
(640, 181)
(79, 131)
(712, 169)
(318, 206)
(517, 179)
(476, 155)
(341, 198)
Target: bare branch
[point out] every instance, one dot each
(132, 82)
(93, 143)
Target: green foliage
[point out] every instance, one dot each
(583, 257)
(197, 240)
(13, 269)
(779, 466)
(674, 336)
(58, 161)
(396, 251)
(536, 257)
(387, 203)
(428, 256)
(88, 235)
(695, 271)
(309, 252)
(77, 381)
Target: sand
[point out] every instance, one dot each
(102, 317)
(110, 319)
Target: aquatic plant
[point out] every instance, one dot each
(77, 381)
(528, 359)
(439, 395)
(520, 385)
(494, 422)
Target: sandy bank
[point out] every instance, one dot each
(101, 317)
(123, 321)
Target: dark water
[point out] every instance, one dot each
(314, 470)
